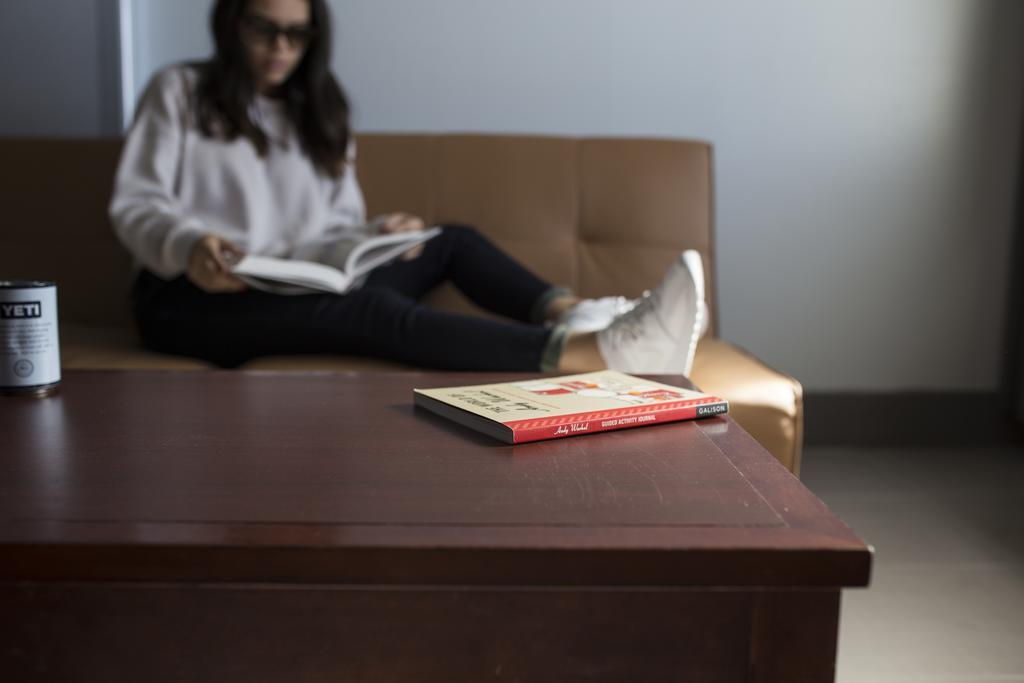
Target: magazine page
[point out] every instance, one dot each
(378, 250)
(288, 276)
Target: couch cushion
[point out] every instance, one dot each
(319, 363)
(54, 195)
(114, 347)
(641, 203)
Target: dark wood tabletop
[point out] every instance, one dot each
(243, 477)
(239, 526)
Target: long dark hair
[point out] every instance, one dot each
(314, 100)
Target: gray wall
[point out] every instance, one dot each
(866, 149)
(60, 67)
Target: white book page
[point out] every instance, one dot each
(380, 249)
(267, 273)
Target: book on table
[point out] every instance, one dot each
(293, 276)
(553, 407)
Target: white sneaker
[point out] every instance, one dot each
(686, 352)
(591, 315)
(660, 333)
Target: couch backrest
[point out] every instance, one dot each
(601, 215)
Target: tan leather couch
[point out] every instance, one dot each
(603, 216)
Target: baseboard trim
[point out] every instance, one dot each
(909, 418)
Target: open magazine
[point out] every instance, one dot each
(291, 276)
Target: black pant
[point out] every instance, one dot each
(382, 318)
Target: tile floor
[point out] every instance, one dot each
(946, 602)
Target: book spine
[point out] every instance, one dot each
(574, 425)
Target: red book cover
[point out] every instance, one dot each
(553, 407)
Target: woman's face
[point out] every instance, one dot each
(275, 34)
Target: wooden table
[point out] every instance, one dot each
(231, 526)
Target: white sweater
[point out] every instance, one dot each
(174, 185)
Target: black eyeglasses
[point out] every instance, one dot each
(267, 32)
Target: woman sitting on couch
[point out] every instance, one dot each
(252, 152)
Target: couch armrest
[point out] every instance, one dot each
(765, 402)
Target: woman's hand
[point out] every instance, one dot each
(402, 222)
(208, 265)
